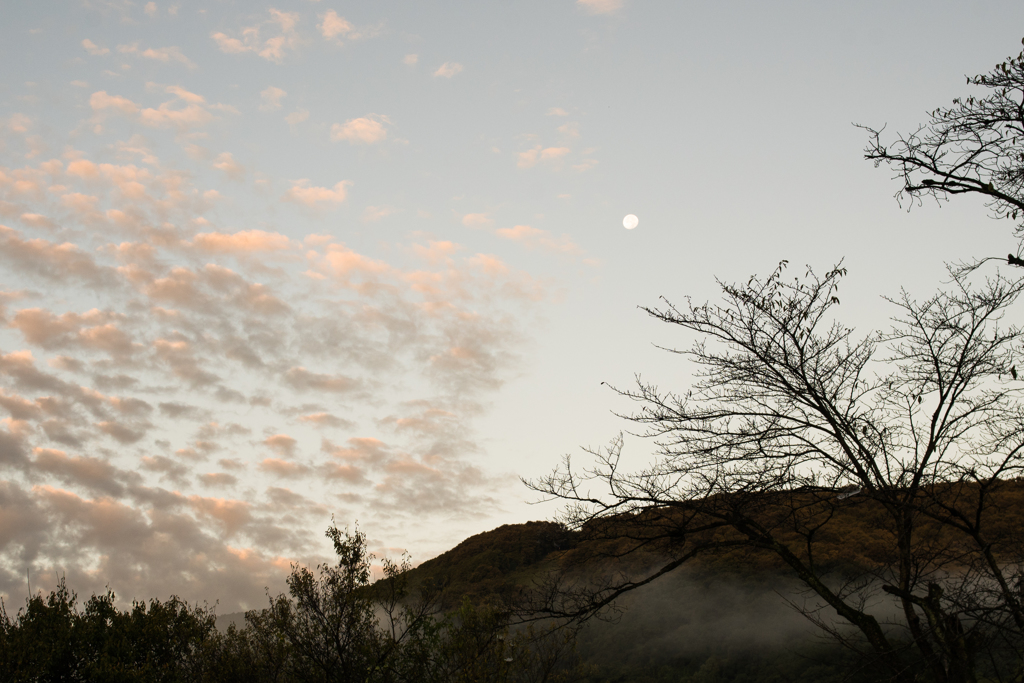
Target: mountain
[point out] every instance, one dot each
(726, 616)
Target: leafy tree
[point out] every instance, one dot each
(794, 422)
(52, 640)
(42, 638)
(337, 625)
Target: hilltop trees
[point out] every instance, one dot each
(334, 625)
(792, 422)
(52, 640)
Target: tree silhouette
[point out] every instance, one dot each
(789, 415)
(975, 146)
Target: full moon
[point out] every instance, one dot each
(630, 222)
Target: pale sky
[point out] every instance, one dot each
(262, 264)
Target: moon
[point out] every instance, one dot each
(630, 222)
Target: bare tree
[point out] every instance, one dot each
(975, 146)
(793, 427)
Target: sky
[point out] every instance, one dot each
(263, 265)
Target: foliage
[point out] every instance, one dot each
(334, 625)
(52, 640)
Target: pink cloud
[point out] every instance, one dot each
(283, 469)
(477, 220)
(100, 101)
(226, 162)
(231, 515)
(332, 25)
(244, 241)
(301, 193)
(273, 48)
(94, 49)
(163, 54)
(323, 419)
(52, 261)
(343, 262)
(448, 70)
(344, 471)
(186, 110)
(530, 157)
(302, 379)
(551, 153)
(218, 479)
(533, 238)
(271, 97)
(438, 251)
(83, 168)
(178, 340)
(281, 443)
(365, 130)
(359, 448)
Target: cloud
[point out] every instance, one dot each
(94, 330)
(37, 221)
(186, 110)
(271, 97)
(600, 6)
(362, 130)
(163, 54)
(94, 49)
(218, 479)
(150, 9)
(216, 335)
(331, 25)
(283, 469)
(302, 193)
(410, 60)
(326, 420)
(19, 123)
(359, 449)
(477, 220)
(253, 38)
(297, 116)
(52, 261)
(530, 157)
(302, 379)
(226, 162)
(438, 251)
(343, 263)
(282, 443)
(372, 214)
(535, 238)
(448, 69)
(230, 515)
(121, 433)
(557, 111)
(551, 153)
(179, 410)
(100, 101)
(230, 45)
(244, 241)
(571, 130)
